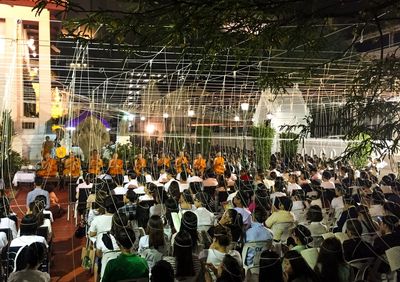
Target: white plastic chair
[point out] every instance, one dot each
(258, 248)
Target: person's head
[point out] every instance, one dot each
(174, 190)
(38, 181)
(140, 156)
(181, 154)
(241, 199)
(47, 138)
(326, 175)
(155, 230)
(119, 179)
(130, 196)
(189, 224)
(31, 256)
(329, 259)
(162, 271)
(293, 178)
(119, 221)
(314, 214)
(378, 198)
(125, 238)
(186, 198)
(270, 267)
(348, 201)
(353, 228)
(111, 204)
(115, 156)
(222, 236)
(259, 214)
(29, 225)
(219, 154)
(296, 267)
(283, 203)
(388, 224)
(201, 199)
(183, 254)
(302, 235)
(229, 270)
(199, 156)
(229, 217)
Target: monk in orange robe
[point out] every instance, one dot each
(181, 162)
(72, 166)
(163, 162)
(95, 163)
(199, 164)
(49, 167)
(140, 164)
(219, 164)
(115, 166)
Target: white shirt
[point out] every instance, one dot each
(293, 186)
(338, 205)
(107, 253)
(328, 185)
(194, 178)
(3, 240)
(183, 186)
(50, 213)
(145, 198)
(204, 217)
(83, 186)
(26, 240)
(6, 222)
(166, 185)
(120, 190)
(215, 257)
(101, 224)
(143, 243)
(132, 182)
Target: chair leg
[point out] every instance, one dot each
(69, 206)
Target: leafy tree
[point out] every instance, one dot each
(272, 29)
(288, 144)
(263, 137)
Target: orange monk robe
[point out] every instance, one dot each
(49, 168)
(140, 164)
(199, 164)
(164, 162)
(219, 165)
(95, 166)
(72, 167)
(179, 162)
(115, 167)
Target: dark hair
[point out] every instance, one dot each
(155, 230)
(286, 202)
(231, 270)
(183, 254)
(270, 267)
(195, 187)
(159, 195)
(330, 257)
(171, 205)
(243, 197)
(174, 190)
(326, 175)
(187, 197)
(393, 208)
(184, 176)
(223, 235)
(236, 225)
(29, 225)
(378, 197)
(189, 224)
(203, 198)
(31, 256)
(303, 234)
(300, 268)
(260, 215)
(38, 181)
(354, 227)
(119, 179)
(391, 221)
(314, 214)
(162, 271)
(4, 207)
(37, 211)
(125, 237)
(112, 203)
(131, 195)
(119, 221)
(367, 219)
(262, 199)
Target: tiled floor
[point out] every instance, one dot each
(66, 259)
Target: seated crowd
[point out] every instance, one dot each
(313, 223)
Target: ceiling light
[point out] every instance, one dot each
(165, 115)
(236, 118)
(190, 113)
(150, 128)
(142, 118)
(269, 116)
